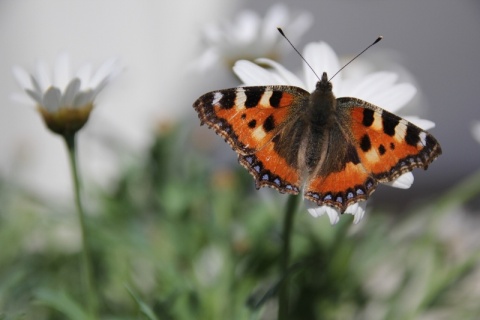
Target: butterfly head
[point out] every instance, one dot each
(324, 86)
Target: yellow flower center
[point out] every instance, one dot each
(66, 120)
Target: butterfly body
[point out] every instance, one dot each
(336, 150)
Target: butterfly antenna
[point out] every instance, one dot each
(375, 42)
(308, 64)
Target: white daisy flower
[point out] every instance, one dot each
(378, 88)
(249, 36)
(64, 102)
(476, 131)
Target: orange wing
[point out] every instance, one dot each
(388, 145)
(249, 118)
(379, 147)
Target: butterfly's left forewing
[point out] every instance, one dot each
(249, 118)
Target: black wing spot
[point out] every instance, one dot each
(227, 101)
(269, 124)
(412, 136)
(252, 124)
(253, 97)
(367, 117)
(382, 150)
(365, 143)
(275, 98)
(389, 124)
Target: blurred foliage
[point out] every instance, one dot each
(180, 237)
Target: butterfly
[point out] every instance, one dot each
(334, 150)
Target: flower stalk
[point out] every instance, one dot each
(87, 274)
(288, 220)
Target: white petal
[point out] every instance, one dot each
(21, 98)
(22, 77)
(83, 98)
(317, 211)
(254, 75)
(207, 59)
(333, 214)
(106, 71)
(276, 17)
(212, 33)
(70, 93)
(288, 78)
(51, 99)
(395, 97)
(42, 75)
(84, 73)
(322, 58)
(36, 86)
(476, 130)
(246, 28)
(421, 123)
(61, 71)
(372, 84)
(357, 210)
(405, 181)
(35, 96)
(300, 25)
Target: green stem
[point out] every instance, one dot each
(88, 287)
(283, 294)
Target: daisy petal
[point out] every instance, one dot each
(421, 123)
(405, 181)
(105, 71)
(373, 84)
(317, 211)
(84, 73)
(61, 71)
(357, 210)
(322, 58)
(476, 131)
(253, 75)
(36, 85)
(275, 17)
(83, 98)
(288, 78)
(22, 77)
(35, 96)
(395, 97)
(21, 98)
(70, 93)
(42, 75)
(246, 28)
(300, 25)
(333, 214)
(51, 99)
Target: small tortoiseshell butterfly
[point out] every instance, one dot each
(336, 149)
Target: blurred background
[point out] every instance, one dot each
(176, 224)
(157, 41)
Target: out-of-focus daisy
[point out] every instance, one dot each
(476, 131)
(65, 102)
(379, 88)
(249, 36)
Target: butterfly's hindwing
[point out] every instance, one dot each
(339, 178)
